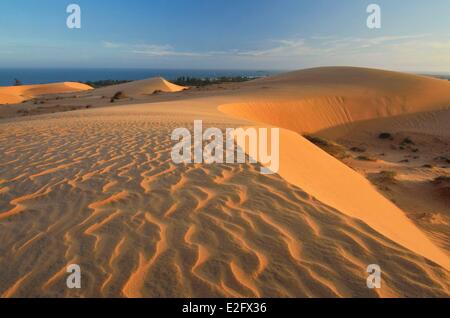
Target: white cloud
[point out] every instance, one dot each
(149, 49)
(421, 51)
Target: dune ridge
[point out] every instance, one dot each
(309, 101)
(18, 94)
(139, 88)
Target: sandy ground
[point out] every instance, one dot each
(97, 187)
(408, 173)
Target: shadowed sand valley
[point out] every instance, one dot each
(96, 186)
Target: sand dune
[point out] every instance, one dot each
(103, 193)
(18, 94)
(98, 188)
(363, 94)
(140, 88)
(309, 101)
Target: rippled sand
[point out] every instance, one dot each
(98, 188)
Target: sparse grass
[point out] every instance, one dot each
(442, 159)
(358, 149)
(366, 158)
(336, 150)
(23, 112)
(407, 141)
(387, 176)
(157, 91)
(383, 180)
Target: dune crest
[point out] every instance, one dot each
(312, 100)
(337, 185)
(140, 88)
(18, 94)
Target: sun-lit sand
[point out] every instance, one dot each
(140, 88)
(97, 187)
(18, 94)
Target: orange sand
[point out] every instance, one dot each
(98, 188)
(17, 94)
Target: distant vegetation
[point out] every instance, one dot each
(194, 81)
(444, 77)
(103, 83)
(183, 81)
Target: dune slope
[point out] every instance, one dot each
(139, 88)
(347, 95)
(312, 100)
(18, 94)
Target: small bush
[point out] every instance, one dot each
(442, 159)
(330, 147)
(407, 141)
(387, 176)
(358, 149)
(365, 158)
(385, 136)
(117, 96)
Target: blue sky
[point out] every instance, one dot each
(226, 34)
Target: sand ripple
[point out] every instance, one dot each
(101, 191)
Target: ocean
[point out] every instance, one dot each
(43, 76)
